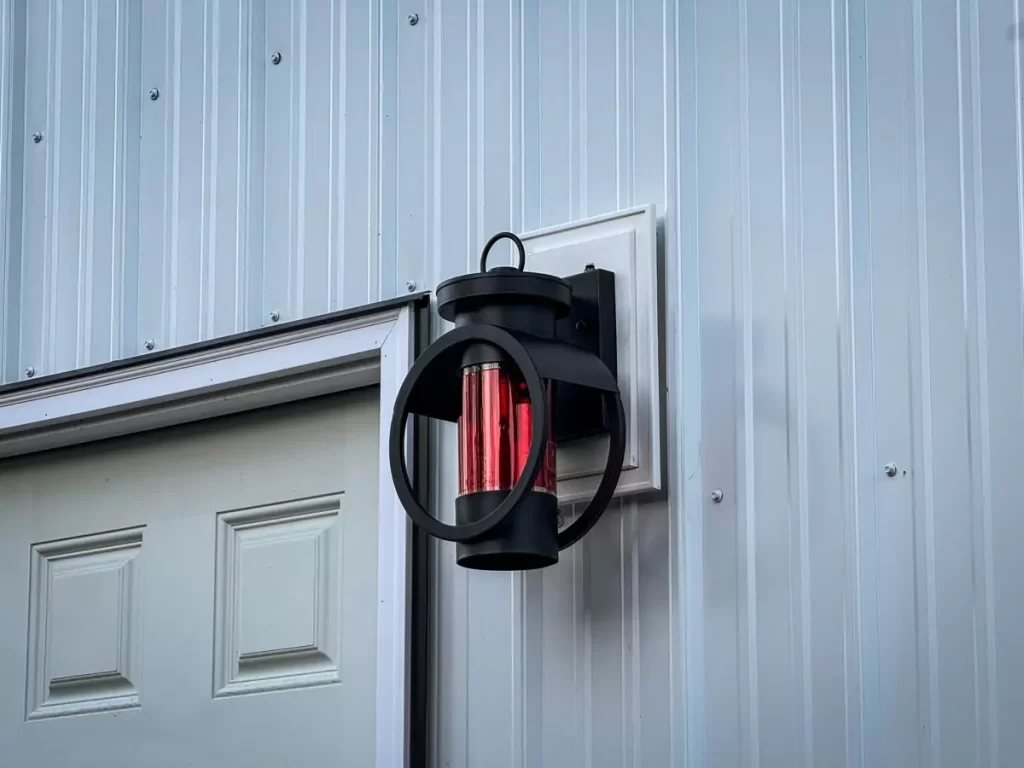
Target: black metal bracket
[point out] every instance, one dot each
(581, 412)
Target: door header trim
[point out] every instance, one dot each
(256, 369)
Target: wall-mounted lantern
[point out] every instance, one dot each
(529, 364)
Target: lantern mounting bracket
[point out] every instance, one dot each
(580, 412)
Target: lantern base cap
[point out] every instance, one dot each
(527, 539)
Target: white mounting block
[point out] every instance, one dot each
(624, 243)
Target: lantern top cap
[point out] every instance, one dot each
(504, 286)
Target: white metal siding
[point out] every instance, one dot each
(841, 196)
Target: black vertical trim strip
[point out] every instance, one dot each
(420, 587)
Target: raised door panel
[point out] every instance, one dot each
(276, 622)
(84, 625)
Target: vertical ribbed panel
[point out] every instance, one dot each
(242, 189)
(9, 258)
(539, 116)
(856, 193)
(68, 253)
(991, 73)
(839, 187)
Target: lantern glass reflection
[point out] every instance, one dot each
(495, 432)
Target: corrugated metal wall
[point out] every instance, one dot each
(840, 185)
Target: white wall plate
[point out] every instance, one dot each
(624, 243)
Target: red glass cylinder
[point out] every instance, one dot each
(495, 430)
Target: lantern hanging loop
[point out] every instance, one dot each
(504, 236)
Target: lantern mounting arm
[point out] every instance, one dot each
(439, 396)
(558, 361)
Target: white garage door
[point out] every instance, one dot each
(197, 596)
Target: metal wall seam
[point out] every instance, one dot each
(7, 75)
(684, 422)
(996, 125)
(975, 275)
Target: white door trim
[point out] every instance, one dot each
(300, 360)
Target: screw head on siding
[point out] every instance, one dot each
(37, 137)
(154, 94)
(150, 344)
(890, 469)
(30, 372)
(717, 495)
(410, 286)
(414, 19)
(275, 316)
(275, 58)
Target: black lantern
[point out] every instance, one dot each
(529, 364)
